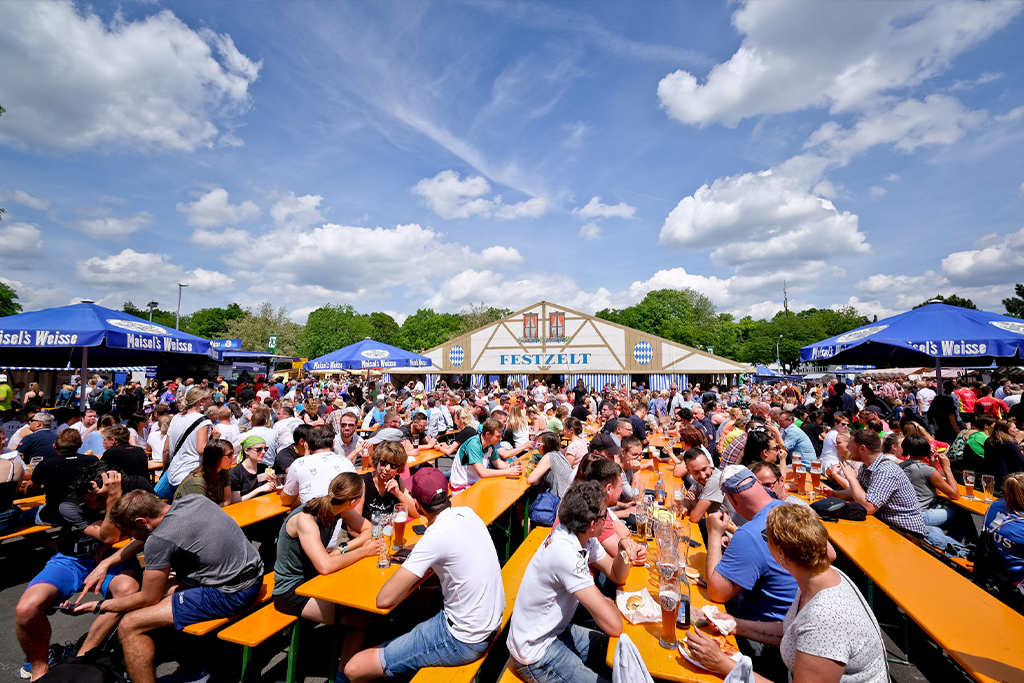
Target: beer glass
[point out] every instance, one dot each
(969, 485)
(386, 531)
(800, 474)
(988, 484)
(366, 459)
(677, 498)
(398, 524)
(816, 474)
(668, 596)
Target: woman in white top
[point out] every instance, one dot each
(157, 437)
(179, 465)
(519, 425)
(829, 634)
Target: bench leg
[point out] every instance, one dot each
(332, 667)
(293, 654)
(250, 668)
(526, 517)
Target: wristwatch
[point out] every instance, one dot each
(344, 547)
(98, 609)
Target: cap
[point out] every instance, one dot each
(338, 403)
(385, 434)
(3, 378)
(605, 442)
(429, 486)
(737, 478)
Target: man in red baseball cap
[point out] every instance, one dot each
(458, 548)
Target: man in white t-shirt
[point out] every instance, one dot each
(544, 646)
(285, 425)
(310, 476)
(925, 396)
(458, 549)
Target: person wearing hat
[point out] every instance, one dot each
(457, 547)
(6, 398)
(747, 571)
(249, 478)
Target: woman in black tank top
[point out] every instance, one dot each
(384, 488)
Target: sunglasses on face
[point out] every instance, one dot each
(764, 535)
(258, 449)
(387, 465)
(842, 424)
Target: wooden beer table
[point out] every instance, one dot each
(978, 507)
(357, 585)
(664, 664)
(987, 644)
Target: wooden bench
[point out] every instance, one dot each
(31, 501)
(254, 630)
(27, 531)
(511, 576)
(203, 627)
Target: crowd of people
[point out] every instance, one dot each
(891, 446)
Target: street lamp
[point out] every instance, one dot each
(777, 361)
(151, 305)
(177, 315)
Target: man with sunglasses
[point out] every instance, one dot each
(39, 441)
(347, 443)
(310, 476)
(770, 476)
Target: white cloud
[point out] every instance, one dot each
(497, 289)
(987, 77)
(868, 308)
(501, 256)
(131, 274)
(595, 209)
(997, 263)
(113, 228)
(590, 231)
(757, 217)
(80, 82)
(794, 56)
(297, 212)
(208, 280)
(877, 191)
(25, 199)
(1010, 116)
(19, 239)
(229, 238)
(449, 197)
(892, 178)
(213, 210)
(1020, 192)
(33, 298)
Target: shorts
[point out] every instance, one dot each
(68, 574)
(193, 605)
(290, 603)
(431, 643)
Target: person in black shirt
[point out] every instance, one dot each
(289, 454)
(247, 394)
(118, 452)
(580, 411)
(383, 486)
(56, 475)
(414, 435)
(249, 478)
(464, 423)
(578, 393)
(88, 529)
(813, 428)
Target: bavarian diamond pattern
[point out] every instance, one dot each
(643, 353)
(456, 355)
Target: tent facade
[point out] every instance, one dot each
(546, 341)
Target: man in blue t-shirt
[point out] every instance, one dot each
(746, 574)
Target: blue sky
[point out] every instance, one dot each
(401, 155)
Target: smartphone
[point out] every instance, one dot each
(419, 529)
(67, 609)
(694, 544)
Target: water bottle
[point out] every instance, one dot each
(659, 491)
(683, 615)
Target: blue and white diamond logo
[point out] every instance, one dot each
(643, 353)
(456, 355)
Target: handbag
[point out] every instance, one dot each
(545, 509)
(834, 509)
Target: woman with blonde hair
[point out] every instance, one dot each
(157, 437)
(186, 439)
(829, 634)
(538, 422)
(302, 546)
(33, 398)
(466, 428)
(518, 425)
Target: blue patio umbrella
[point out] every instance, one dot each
(765, 371)
(936, 333)
(367, 355)
(75, 335)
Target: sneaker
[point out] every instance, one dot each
(26, 670)
(180, 676)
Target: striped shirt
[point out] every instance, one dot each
(887, 488)
(734, 451)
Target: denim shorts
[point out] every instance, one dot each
(571, 658)
(193, 605)
(431, 643)
(68, 574)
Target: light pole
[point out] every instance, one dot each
(177, 316)
(777, 361)
(151, 305)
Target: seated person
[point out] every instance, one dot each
(543, 644)
(384, 487)
(249, 478)
(414, 435)
(553, 469)
(119, 452)
(457, 547)
(55, 477)
(471, 463)
(212, 478)
(828, 633)
(218, 573)
(946, 526)
(310, 475)
(879, 485)
(12, 473)
(289, 454)
(608, 474)
(705, 496)
(770, 476)
(466, 426)
(302, 546)
(1005, 520)
(90, 531)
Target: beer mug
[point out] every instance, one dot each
(398, 525)
(668, 597)
(386, 532)
(969, 484)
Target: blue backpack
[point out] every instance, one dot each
(545, 509)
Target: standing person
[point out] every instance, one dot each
(6, 398)
(186, 439)
(828, 633)
(471, 587)
(544, 646)
(218, 573)
(157, 437)
(302, 546)
(285, 425)
(990, 405)
(944, 414)
(384, 488)
(249, 478)
(212, 478)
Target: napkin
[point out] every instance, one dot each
(649, 611)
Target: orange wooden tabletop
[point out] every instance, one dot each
(978, 507)
(31, 501)
(987, 643)
(156, 465)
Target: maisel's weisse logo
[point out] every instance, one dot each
(137, 326)
(375, 353)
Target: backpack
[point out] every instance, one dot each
(545, 509)
(104, 664)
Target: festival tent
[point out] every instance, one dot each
(366, 355)
(936, 334)
(76, 335)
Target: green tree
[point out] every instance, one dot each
(681, 315)
(332, 327)
(211, 323)
(951, 300)
(1015, 305)
(426, 329)
(8, 300)
(385, 329)
(476, 317)
(160, 317)
(255, 328)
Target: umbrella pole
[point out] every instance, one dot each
(938, 374)
(81, 378)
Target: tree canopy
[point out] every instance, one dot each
(1015, 305)
(951, 300)
(8, 300)
(255, 328)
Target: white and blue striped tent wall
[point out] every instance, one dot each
(478, 381)
(662, 382)
(386, 378)
(523, 379)
(596, 381)
(432, 379)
